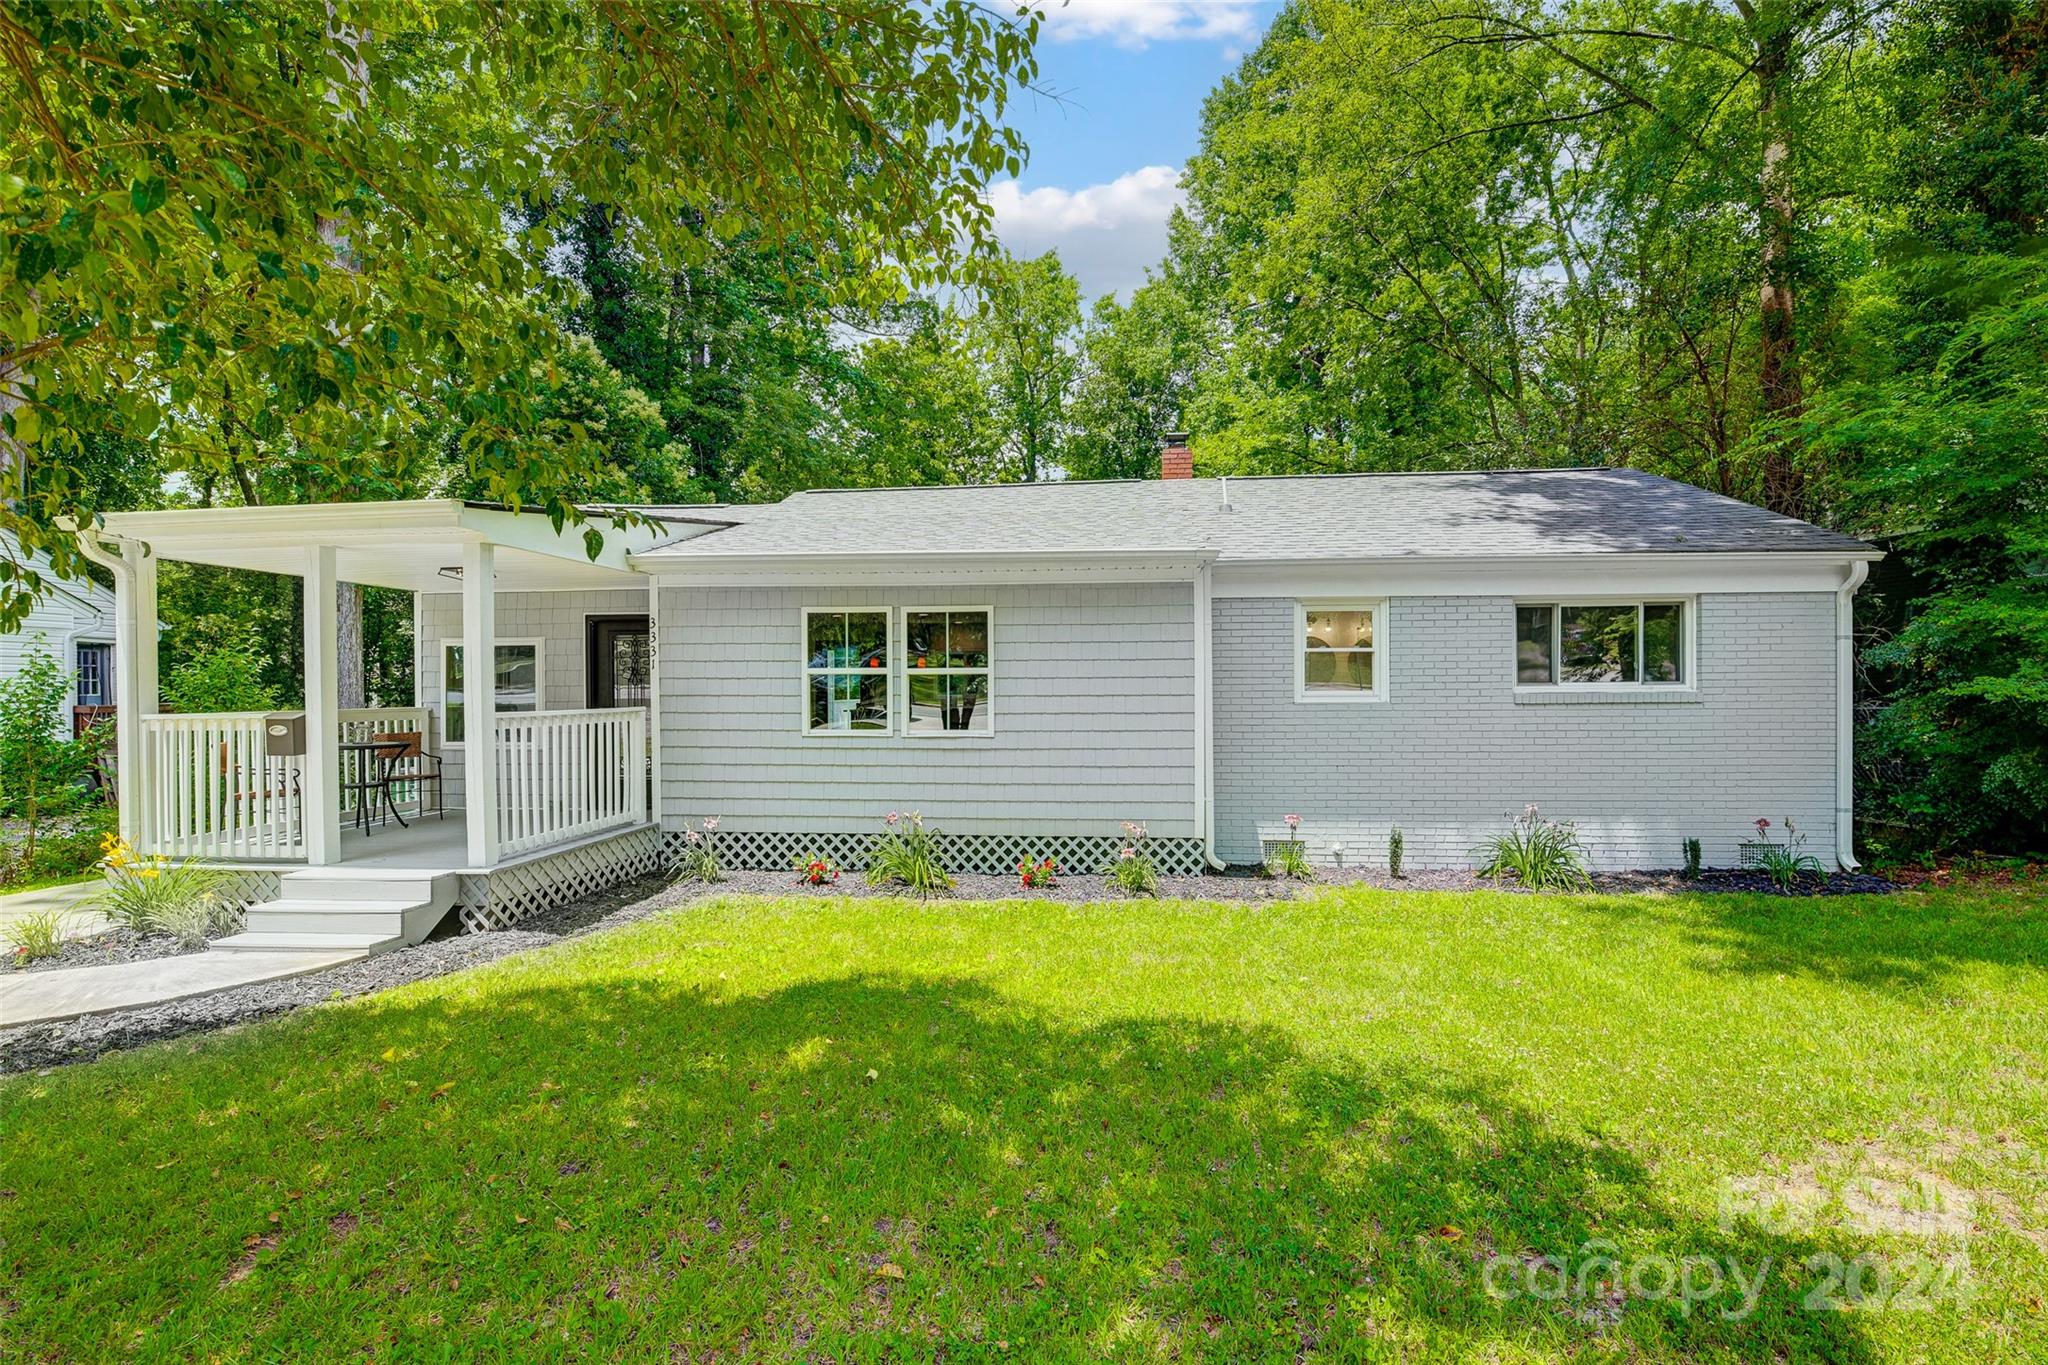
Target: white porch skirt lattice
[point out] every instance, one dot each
(501, 898)
(995, 855)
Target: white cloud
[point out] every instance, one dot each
(1106, 235)
(1139, 23)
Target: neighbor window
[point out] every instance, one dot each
(846, 671)
(945, 663)
(517, 684)
(1590, 644)
(1337, 651)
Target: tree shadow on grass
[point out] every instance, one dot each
(853, 1168)
(1900, 942)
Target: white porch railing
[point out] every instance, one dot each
(359, 723)
(564, 774)
(207, 791)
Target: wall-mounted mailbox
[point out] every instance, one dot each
(284, 734)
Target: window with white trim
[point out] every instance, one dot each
(1601, 644)
(946, 671)
(517, 685)
(1337, 648)
(847, 673)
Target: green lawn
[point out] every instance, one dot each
(1349, 1127)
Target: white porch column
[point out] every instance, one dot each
(321, 816)
(480, 701)
(135, 690)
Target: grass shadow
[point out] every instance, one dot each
(852, 1168)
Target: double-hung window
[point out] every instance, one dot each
(945, 662)
(847, 672)
(1337, 651)
(516, 686)
(1601, 644)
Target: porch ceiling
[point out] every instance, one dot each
(392, 544)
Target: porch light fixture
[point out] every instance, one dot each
(453, 571)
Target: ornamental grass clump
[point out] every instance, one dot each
(147, 895)
(908, 856)
(1132, 871)
(192, 922)
(1289, 859)
(37, 934)
(698, 859)
(1541, 854)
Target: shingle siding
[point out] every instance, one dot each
(1093, 692)
(1453, 747)
(556, 619)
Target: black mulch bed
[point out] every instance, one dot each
(104, 948)
(34, 1046)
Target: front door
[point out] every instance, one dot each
(619, 661)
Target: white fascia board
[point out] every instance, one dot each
(843, 570)
(1553, 575)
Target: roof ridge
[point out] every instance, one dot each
(1213, 478)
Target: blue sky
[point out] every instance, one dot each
(1106, 155)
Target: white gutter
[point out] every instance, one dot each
(1845, 715)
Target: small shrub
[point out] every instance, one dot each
(42, 774)
(1543, 855)
(148, 894)
(909, 856)
(192, 921)
(698, 860)
(37, 934)
(1044, 872)
(1691, 871)
(1394, 853)
(815, 869)
(1289, 858)
(1786, 863)
(1132, 871)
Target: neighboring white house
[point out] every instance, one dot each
(1031, 665)
(74, 621)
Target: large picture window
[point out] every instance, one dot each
(1337, 651)
(517, 686)
(1600, 644)
(847, 672)
(945, 663)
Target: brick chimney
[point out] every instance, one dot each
(1176, 461)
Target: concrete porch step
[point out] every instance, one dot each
(369, 910)
(303, 942)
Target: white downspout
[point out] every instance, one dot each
(1845, 715)
(1205, 718)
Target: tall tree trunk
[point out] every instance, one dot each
(348, 654)
(1780, 392)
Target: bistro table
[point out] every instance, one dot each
(370, 776)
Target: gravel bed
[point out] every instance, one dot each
(33, 1046)
(104, 948)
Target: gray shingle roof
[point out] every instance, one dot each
(1489, 513)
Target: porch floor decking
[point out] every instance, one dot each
(430, 843)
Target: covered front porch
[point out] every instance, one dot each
(323, 786)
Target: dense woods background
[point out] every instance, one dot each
(1790, 250)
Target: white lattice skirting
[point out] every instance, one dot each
(993, 855)
(242, 887)
(500, 899)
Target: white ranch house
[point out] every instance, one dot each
(1029, 665)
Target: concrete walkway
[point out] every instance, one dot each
(78, 922)
(37, 997)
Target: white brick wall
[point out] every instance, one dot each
(1453, 748)
(1093, 687)
(556, 619)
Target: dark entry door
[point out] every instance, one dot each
(619, 661)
